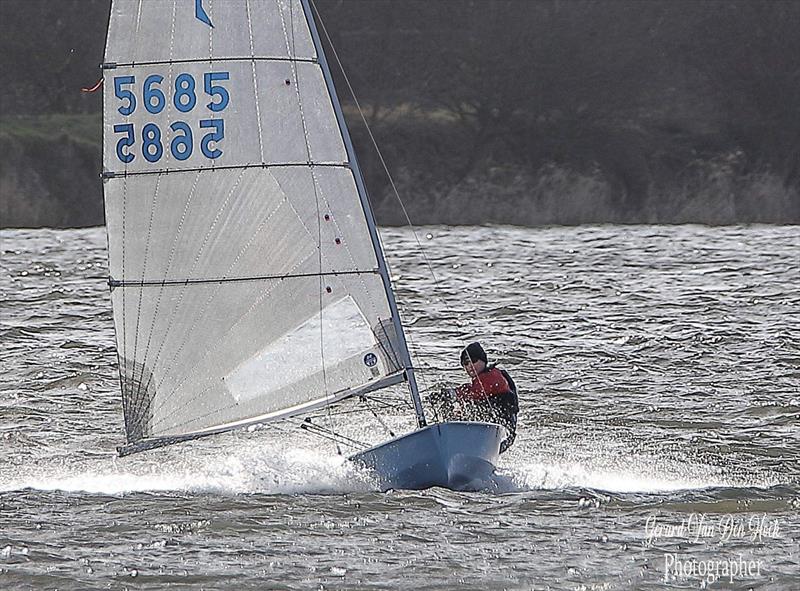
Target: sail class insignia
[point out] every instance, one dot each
(200, 13)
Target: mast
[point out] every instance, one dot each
(365, 204)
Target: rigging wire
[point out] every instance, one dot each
(377, 416)
(292, 56)
(383, 164)
(375, 143)
(337, 438)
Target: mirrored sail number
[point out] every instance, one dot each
(184, 98)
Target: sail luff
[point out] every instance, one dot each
(365, 204)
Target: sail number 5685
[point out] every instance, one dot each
(184, 98)
(184, 93)
(181, 147)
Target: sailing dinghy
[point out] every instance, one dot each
(247, 278)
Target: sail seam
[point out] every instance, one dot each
(127, 400)
(138, 27)
(178, 233)
(296, 73)
(108, 214)
(142, 395)
(194, 265)
(137, 396)
(233, 264)
(210, 12)
(390, 353)
(255, 81)
(126, 403)
(357, 177)
(218, 342)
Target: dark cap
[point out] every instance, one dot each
(474, 352)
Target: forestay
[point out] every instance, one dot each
(247, 283)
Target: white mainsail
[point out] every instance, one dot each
(247, 280)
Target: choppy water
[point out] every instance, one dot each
(660, 369)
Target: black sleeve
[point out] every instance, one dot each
(511, 383)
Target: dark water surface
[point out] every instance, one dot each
(659, 445)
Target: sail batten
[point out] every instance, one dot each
(241, 58)
(123, 173)
(177, 282)
(252, 287)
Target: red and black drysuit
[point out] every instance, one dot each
(492, 397)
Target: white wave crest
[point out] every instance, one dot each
(257, 469)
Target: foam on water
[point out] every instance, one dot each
(547, 475)
(616, 466)
(258, 469)
(272, 469)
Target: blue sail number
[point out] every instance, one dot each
(213, 90)
(184, 99)
(181, 145)
(124, 94)
(216, 136)
(154, 99)
(151, 143)
(125, 142)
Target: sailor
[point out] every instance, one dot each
(492, 395)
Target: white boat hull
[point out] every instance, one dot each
(458, 455)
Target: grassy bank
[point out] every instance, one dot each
(49, 172)
(85, 130)
(545, 175)
(592, 171)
